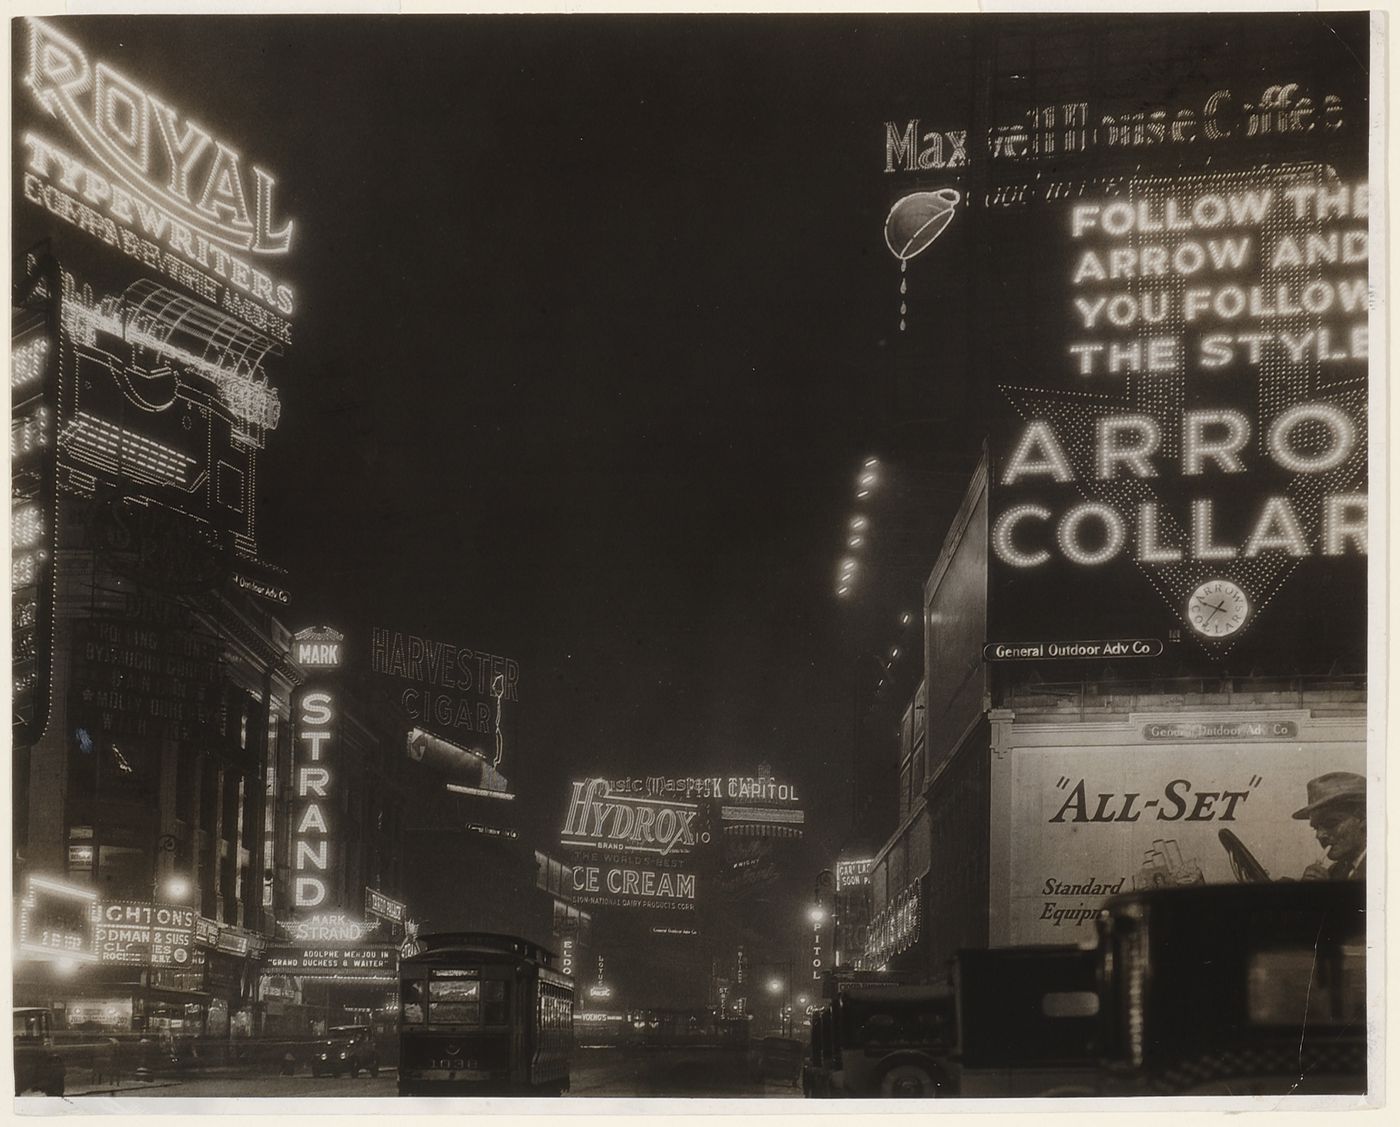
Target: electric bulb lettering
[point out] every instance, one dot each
(311, 832)
(156, 186)
(1208, 421)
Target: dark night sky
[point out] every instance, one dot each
(581, 369)
(589, 312)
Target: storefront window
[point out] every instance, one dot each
(99, 1014)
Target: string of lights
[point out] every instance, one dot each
(867, 481)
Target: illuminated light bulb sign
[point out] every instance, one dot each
(33, 501)
(1093, 532)
(1208, 423)
(169, 162)
(598, 818)
(313, 847)
(912, 225)
(1050, 131)
(454, 691)
(319, 647)
(58, 920)
(152, 183)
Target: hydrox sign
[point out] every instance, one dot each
(599, 819)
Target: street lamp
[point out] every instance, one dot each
(783, 986)
(177, 887)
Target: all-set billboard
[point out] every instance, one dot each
(1173, 802)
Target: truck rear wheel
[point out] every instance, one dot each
(908, 1080)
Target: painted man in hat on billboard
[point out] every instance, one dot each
(1336, 810)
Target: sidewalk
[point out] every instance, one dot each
(126, 1087)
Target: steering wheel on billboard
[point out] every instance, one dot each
(1247, 868)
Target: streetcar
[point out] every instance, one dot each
(483, 1014)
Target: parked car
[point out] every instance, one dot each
(1232, 989)
(37, 1066)
(349, 1049)
(881, 1039)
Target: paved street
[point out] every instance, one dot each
(596, 1072)
(668, 1072)
(287, 1087)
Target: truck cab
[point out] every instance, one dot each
(1028, 1022)
(1243, 989)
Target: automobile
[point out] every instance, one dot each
(37, 1066)
(881, 1038)
(1243, 989)
(1029, 1022)
(349, 1049)
(1255, 988)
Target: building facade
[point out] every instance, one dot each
(1145, 633)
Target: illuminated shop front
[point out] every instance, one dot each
(1145, 632)
(131, 965)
